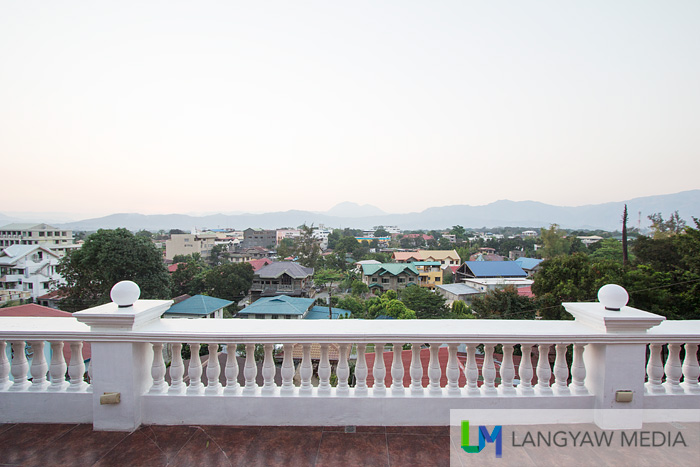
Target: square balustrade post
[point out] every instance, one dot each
(615, 365)
(119, 364)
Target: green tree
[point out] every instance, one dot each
(426, 304)
(145, 234)
(460, 310)
(230, 281)
(554, 243)
(107, 257)
(218, 255)
(381, 232)
(503, 304)
(306, 247)
(326, 278)
(459, 232)
(359, 288)
(285, 248)
(661, 228)
(188, 278)
(609, 249)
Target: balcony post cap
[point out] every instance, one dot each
(613, 297)
(125, 293)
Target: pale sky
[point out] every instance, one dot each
(183, 106)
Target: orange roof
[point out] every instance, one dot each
(33, 309)
(258, 263)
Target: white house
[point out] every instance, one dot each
(29, 268)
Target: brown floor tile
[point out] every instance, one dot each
(170, 439)
(200, 450)
(79, 446)
(284, 446)
(135, 449)
(420, 430)
(352, 449)
(358, 429)
(26, 439)
(6, 426)
(236, 442)
(406, 450)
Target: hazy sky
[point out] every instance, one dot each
(184, 106)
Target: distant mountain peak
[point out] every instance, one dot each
(350, 209)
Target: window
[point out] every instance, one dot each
(385, 280)
(410, 279)
(41, 234)
(401, 280)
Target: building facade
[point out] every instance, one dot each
(29, 268)
(58, 240)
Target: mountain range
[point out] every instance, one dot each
(497, 214)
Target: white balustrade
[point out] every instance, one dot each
(250, 370)
(691, 370)
(416, 371)
(507, 372)
(194, 371)
(231, 371)
(76, 369)
(177, 371)
(213, 371)
(452, 372)
(397, 388)
(305, 371)
(19, 367)
(578, 372)
(525, 371)
(324, 372)
(561, 372)
(379, 371)
(4, 367)
(343, 371)
(472, 387)
(488, 371)
(673, 370)
(39, 367)
(544, 372)
(57, 369)
(158, 371)
(434, 372)
(361, 371)
(655, 370)
(287, 371)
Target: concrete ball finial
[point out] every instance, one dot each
(613, 297)
(125, 293)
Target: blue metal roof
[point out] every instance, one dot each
(279, 305)
(528, 263)
(321, 312)
(485, 269)
(199, 305)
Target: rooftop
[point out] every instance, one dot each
(199, 305)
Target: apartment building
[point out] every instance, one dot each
(29, 268)
(186, 244)
(58, 240)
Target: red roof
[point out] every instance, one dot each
(53, 295)
(173, 267)
(453, 269)
(34, 310)
(258, 263)
(526, 291)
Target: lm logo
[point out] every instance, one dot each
(484, 437)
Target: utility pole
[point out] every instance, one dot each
(625, 259)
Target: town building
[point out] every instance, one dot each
(389, 276)
(444, 257)
(285, 307)
(29, 268)
(430, 273)
(187, 244)
(58, 240)
(529, 265)
(282, 278)
(455, 292)
(198, 306)
(259, 237)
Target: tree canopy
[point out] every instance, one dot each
(107, 257)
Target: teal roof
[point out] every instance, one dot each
(389, 268)
(321, 312)
(199, 305)
(279, 305)
(427, 263)
(527, 263)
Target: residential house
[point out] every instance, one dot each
(529, 265)
(29, 268)
(282, 278)
(590, 239)
(259, 237)
(406, 256)
(285, 307)
(246, 255)
(187, 244)
(430, 273)
(287, 233)
(17, 296)
(389, 276)
(454, 292)
(445, 257)
(259, 263)
(51, 299)
(198, 306)
(58, 240)
(491, 275)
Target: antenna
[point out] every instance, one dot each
(639, 221)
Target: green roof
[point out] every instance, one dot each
(279, 305)
(427, 263)
(199, 305)
(389, 268)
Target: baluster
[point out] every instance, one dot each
(361, 371)
(250, 371)
(288, 370)
(89, 372)
(76, 369)
(231, 371)
(578, 371)
(434, 371)
(306, 371)
(158, 371)
(57, 369)
(177, 371)
(525, 371)
(195, 371)
(397, 388)
(416, 371)
(507, 372)
(488, 371)
(379, 371)
(655, 371)
(4, 367)
(544, 372)
(561, 371)
(268, 371)
(691, 370)
(19, 367)
(213, 371)
(343, 371)
(452, 371)
(673, 370)
(39, 367)
(324, 372)
(472, 371)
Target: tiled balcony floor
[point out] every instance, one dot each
(55, 445)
